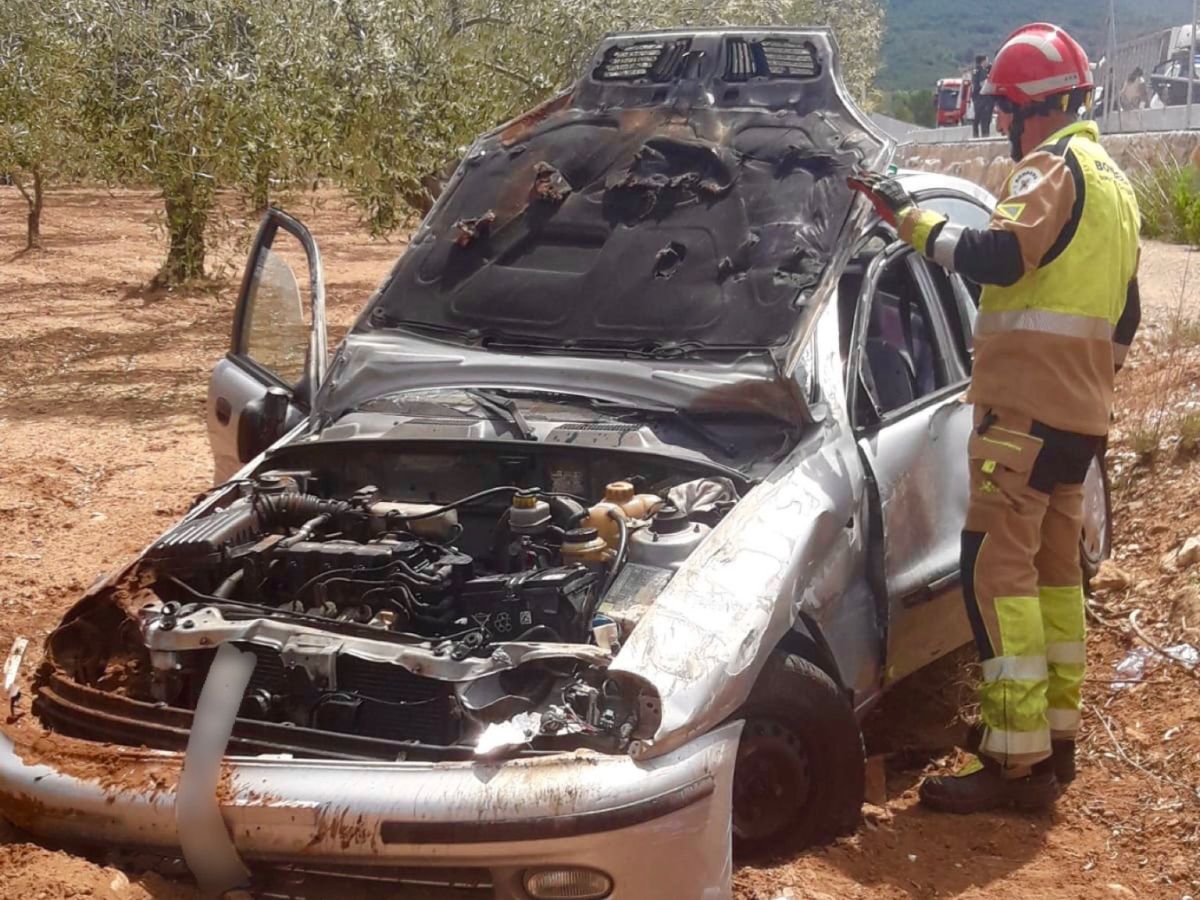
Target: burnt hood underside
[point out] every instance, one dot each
(690, 188)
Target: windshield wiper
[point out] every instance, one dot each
(380, 318)
(682, 418)
(506, 408)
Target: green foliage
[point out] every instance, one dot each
(1168, 195)
(39, 78)
(187, 94)
(931, 39)
(911, 106)
(196, 96)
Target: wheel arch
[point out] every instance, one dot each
(806, 640)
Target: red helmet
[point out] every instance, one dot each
(1038, 62)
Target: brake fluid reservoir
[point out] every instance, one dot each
(668, 541)
(620, 497)
(529, 514)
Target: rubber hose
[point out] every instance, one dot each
(566, 511)
(622, 552)
(227, 588)
(294, 508)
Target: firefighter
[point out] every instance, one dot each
(1059, 309)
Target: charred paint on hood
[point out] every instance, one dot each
(690, 188)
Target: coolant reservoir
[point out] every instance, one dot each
(668, 541)
(584, 545)
(619, 496)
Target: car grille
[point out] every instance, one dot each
(393, 703)
(397, 704)
(411, 883)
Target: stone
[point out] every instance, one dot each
(1189, 554)
(1167, 562)
(876, 787)
(876, 816)
(1111, 578)
(1185, 610)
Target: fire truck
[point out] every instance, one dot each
(952, 99)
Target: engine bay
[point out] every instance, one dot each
(483, 623)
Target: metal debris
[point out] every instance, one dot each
(12, 666)
(471, 229)
(549, 184)
(516, 732)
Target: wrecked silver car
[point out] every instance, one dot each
(636, 483)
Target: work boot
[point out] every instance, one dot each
(982, 785)
(1061, 762)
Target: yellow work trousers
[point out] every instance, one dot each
(1022, 580)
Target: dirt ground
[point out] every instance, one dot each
(102, 445)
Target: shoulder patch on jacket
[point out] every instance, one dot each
(1024, 181)
(1011, 211)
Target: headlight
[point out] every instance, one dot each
(567, 884)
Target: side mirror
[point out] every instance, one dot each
(263, 421)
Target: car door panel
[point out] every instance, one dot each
(919, 465)
(236, 420)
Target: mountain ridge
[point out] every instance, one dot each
(925, 40)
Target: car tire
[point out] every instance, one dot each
(1092, 554)
(801, 767)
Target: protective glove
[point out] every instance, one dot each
(887, 194)
(919, 227)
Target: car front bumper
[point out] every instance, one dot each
(659, 828)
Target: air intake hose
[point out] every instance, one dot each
(293, 508)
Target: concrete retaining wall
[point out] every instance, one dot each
(1172, 118)
(987, 163)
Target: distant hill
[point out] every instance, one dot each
(930, 39)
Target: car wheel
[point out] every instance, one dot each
(1095, 545)
(801, 769)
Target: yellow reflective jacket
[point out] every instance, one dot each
(1059, 264)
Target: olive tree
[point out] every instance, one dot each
(375, 95)
(39, 78)
(192, 96)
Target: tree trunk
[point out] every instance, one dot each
(33, 223)
(188, 205)
(33, 220)
(260, 195)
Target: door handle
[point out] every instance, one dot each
(224, 411)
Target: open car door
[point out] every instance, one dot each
(909, 371)
(278, 354)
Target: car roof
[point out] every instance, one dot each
(917, 182)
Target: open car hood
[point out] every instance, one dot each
(689, 191)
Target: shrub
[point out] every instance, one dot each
(1168, 194)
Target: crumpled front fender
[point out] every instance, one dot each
(785, 547)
